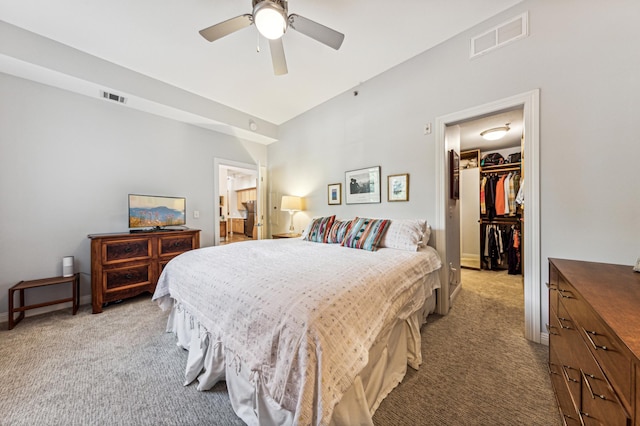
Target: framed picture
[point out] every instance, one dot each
(454, 175)
(362, 186)
(398, 187)
(334, 193)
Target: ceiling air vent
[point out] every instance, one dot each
(500, 35)
(113, 97)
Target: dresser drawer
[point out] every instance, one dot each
(600, 404)
(117, 251)
(565, 400)
(606, 347)
(139, 275)
(171, 245)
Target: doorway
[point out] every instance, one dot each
(490, 172)
(491, 217)
(237, 199)
(447, 221)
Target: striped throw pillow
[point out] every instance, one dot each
(365, 233)
(319, 229)
(338, 230)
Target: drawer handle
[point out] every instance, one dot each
(177, 244)
(551, 371)
(566, 375)
(549, 327)
(128, 276)
(562, 294)
(590, 333)
(128, 249)
(560, 319)
(586, 377)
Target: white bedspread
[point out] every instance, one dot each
(301, 316)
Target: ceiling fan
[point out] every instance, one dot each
(272, 21)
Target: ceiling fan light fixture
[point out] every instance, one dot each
(495, 133)
(270, 19)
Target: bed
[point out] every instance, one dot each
(303, 332)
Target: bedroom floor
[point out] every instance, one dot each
(121, 368)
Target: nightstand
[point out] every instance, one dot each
(23, 285)
(287, 235)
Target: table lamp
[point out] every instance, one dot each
(291, 204)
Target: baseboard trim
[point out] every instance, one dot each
(544, 339)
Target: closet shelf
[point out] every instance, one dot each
(501, 168)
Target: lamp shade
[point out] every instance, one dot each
(291, 203)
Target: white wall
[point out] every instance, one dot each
(581, 55)
(67, 163)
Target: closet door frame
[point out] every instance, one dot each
(530, 101)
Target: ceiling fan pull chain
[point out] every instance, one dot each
(257, 42)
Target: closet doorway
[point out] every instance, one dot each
(491, 213)
(447, 220)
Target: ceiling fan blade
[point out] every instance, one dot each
(316, 31)
(277, 56)
(227, 27)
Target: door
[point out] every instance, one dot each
(470, 217)
(451, 267)
(261, 202)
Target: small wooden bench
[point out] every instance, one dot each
(23, 285)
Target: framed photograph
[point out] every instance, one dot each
(398, 187)
(454, 175)
(362, 186)
(335, 193)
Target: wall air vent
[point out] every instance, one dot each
(511, 30)
(113, 97)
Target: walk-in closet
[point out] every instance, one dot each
(491, 200)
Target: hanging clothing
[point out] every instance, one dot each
(505, 184)
(513, 253)
(501, 247)
(520, 196)
(483, 204)
(499, 203)
(490, 196)
(512, 193)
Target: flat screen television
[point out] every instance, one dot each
(155, 213)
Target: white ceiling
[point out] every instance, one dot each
(470, 130)
(159, 38)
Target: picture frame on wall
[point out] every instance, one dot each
(398, 187)
(454, 175)
(362, 186)
(334, 194)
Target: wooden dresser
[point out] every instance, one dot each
(594, 342)
(127, 264)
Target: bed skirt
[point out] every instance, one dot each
(209, 362)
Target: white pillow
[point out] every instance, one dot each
(406, 234)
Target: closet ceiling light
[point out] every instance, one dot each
(495, 133)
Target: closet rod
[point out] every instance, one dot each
(501, 170)
(500, 221)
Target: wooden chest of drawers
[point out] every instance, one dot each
(125, 265)
(594, 342)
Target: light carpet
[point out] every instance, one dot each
(120, 368)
